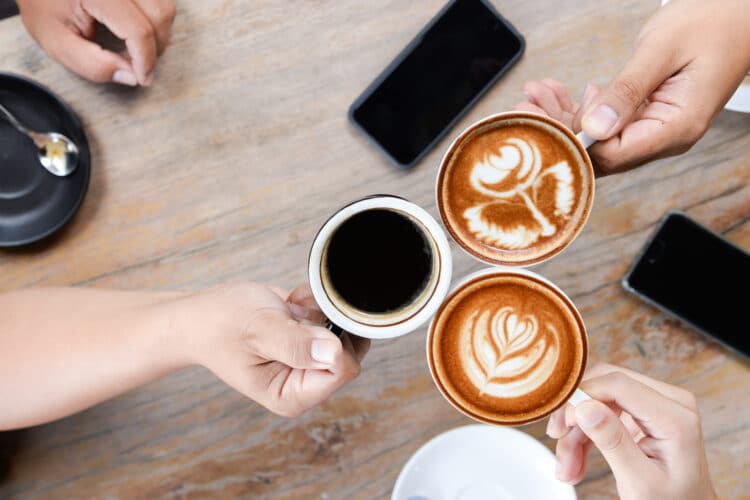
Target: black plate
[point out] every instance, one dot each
(34, 203)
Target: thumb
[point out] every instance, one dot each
(615, 106)
(299, 346)
(89, 60)
(613, 440)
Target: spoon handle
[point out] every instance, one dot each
(12, 119)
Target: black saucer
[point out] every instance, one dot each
(34, 203)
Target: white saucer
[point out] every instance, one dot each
(481, 462)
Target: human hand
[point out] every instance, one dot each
(649, 433)
(66, 28)
(688, 60)
(269, 345)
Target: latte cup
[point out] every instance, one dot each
(507, 347)
(379, 267)
(515, 188)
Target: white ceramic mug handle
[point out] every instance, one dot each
(585, 139)
(578, 397)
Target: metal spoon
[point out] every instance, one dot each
(57, 153)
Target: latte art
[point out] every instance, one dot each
(521, 162)
(507, 347)
(515, 190)
(507, 355)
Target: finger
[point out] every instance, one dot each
(556, 427)
(615, 106)
(125, 20)
(86, 58)
(161, 14)
(640, 142)
(303, 296)
(561, 93)
(589, 93)
(677, 394)
(530, 108)
(606, 431)
(299, 346)
(571, 456)
(658, 415)
(544, 97)
(301, 301)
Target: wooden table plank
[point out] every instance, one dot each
(225, 169)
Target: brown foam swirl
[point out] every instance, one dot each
(507, 348)
(515, 189)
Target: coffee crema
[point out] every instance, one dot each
(507, 348)
(515, 189)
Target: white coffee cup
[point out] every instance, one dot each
(343, 316)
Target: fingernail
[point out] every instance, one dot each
(149, 80)
(324, 351)
(124, 77)
(599, 122)
(589, 415)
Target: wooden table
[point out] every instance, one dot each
(224, 170)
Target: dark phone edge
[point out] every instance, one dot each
(399, 59)
(625, 283)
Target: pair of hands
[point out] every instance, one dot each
(648, 431)
(268, 344)
(688, 60)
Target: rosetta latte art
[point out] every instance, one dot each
(507, 355)
(515, 175)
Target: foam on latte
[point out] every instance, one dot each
(507, 348)
(515, 189)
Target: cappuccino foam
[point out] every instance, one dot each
(515, 189)
(507, 348)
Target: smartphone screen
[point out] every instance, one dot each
(436, 79)
(699, 277)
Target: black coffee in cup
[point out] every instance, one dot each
(378, 261)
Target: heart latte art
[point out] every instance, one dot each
(507, 347)
(507, 355)
(515, 190)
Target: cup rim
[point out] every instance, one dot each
(505, 270)
(418, 318)
(589, 167)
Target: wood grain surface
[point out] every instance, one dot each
(225, 169)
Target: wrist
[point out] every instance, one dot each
(173, 324)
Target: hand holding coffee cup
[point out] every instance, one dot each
(648, 431)
(667, 94)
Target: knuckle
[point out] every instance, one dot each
(166, 13)
(614, 441)
(144, 31)
(617, 379)
(629, 91)
(695, 128)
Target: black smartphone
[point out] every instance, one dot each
(455, 59)
(697, 276)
